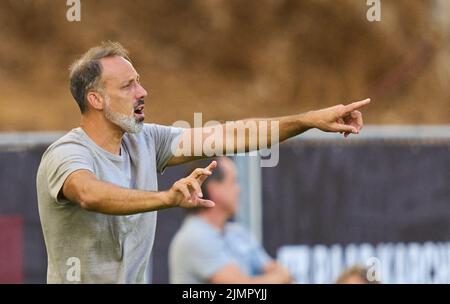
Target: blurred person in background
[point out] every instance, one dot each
(209, 248)
(355, 275)
(97, 185)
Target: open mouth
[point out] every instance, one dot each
(139, 113)
(139, 110)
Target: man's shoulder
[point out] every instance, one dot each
(197, 239)
(70, 143)
(235, 229)
(153, 129)
(72, 137)
(194, 229)
(148, 132)
(61, 151)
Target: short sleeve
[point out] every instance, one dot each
(165, 138)
(61, 161)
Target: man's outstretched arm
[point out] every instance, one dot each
(247, 135)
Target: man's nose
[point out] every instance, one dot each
(141, 92)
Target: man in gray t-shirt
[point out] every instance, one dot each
(97, 185)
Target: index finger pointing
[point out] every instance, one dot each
(204, 171)
(356, 105)
(209, 168)
(212, 166)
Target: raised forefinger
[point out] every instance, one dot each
(356, 105)
(210, 168)
(202, 173)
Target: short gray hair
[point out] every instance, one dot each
(86, 72)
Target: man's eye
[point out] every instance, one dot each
(127, 86)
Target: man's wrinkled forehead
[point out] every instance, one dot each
(116, 70)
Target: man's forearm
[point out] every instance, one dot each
(83, 187)
(286, 126)
(111, 199)
(258, 133)
(239, 136)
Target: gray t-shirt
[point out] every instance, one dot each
(198, 250)
(90, 247)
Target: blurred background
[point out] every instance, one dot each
(329, 203)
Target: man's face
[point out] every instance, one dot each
(226, 192)
(124, 95)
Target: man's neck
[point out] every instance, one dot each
(105, 134)
(216, 219)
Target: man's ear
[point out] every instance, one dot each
(96, 100)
